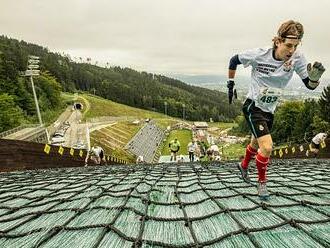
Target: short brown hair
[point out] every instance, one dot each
(289, 29)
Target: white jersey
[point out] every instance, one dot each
(97, 150)
(269, 76)
(192, 147)
(319, 138)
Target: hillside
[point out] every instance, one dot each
(123, 85)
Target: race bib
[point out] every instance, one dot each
(268, 97)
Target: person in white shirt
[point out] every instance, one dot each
(192, 146)
(96, 154)
(271, 70)
(215, 150)
(315, 144)
(140, 159)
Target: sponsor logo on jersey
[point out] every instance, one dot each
(288, 65)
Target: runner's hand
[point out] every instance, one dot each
(230, 86)
(315, 72)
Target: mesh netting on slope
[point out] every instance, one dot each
(167, 205)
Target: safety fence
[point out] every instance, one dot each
(302, 151)
(177, 206)
(23, 155)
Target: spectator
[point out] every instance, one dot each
(96, 154)
(315, 144)
(215, 151)
(140, 160)
(192, 146)
(174, 146)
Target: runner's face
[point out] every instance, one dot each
(286, 48)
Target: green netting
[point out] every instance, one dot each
(109, 201)
(94, 217)
(128, 223)
(234, 241)
(195, 196)
(214, 227)
(45, 221)
(237, 202)
(201, 209)
(257, 218)
(186, 205)
(174, 232)
(319, 231)
(113, 240)
(7, 225)
(81, 203)
(69, 239)
(27, 241)
(171, 211)
(286, 237)
(300, 213)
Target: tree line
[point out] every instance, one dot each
(297, 121)
(124, 85)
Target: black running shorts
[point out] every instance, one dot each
(260, 122)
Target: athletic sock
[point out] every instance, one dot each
(249, 152)
(262, 163)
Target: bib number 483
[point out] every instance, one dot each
(268, 99)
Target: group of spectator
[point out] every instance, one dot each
(196, 151)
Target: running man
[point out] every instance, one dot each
(315, 144)
(174, 147)
(272, 69)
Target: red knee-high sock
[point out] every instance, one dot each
(262, 163)
(249, 152)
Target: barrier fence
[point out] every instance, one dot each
(24, 155)
(302, 151)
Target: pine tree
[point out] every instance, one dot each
(324, 104)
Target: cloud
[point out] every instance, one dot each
(185, 36)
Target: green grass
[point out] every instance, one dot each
(184, 137)
(102, 107)
(232, 151)
(166, 121)
(128, 131)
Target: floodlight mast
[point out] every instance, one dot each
(33, 66)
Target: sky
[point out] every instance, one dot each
(191, 37)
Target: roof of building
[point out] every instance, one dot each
(200, 124)
(167, 205)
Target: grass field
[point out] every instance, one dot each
(184, 137)
(95, 106)
(102, 107)
(232, 151)
(114, 138)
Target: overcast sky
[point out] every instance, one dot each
(195, 37)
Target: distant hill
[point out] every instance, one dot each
(218, 82)
(124, 85)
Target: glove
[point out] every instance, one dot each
(235, 93)
(230, 86)
(315, 72)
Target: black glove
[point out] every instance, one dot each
(230, 86)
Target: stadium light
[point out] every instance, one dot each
(33, 70)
